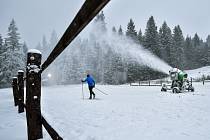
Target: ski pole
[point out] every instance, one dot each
(82, 92)
(101, 91)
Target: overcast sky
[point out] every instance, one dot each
(36, 18)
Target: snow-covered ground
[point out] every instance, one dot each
(127, 113)
(198, 73)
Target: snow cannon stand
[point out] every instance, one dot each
(180, 82)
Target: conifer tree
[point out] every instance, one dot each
(1, 46)
(120, 31)
(189, 53)
(1, 42)
(44, 48)
(57, 65)
(196, 40)
(208, 41)
(200, 50)
(207, 50)
(140, 37)
(1, 58)
(14, 55)
(205, 59)
(166, 42)
(132, 72)
(108, 68)
(118, 68)
(100, 20)
(25, 48)
(114, 29)
(53, 40)
(131, 32)
(47, 49)
(151, 39)
(177, 55)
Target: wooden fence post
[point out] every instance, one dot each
(191, 80)
(15, 90)
(20, 91)
(33, 95)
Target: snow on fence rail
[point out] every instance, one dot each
(159, 82)
(150, 83)
(32, 105)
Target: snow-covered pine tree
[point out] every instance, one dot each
(114, 30)
(208, 50)
(70, 70)
(151, 39)
(44, 48)
(108, 68)
(1, 44)
(120, 31)
(2, 50)
(66, 66)
(119, 73)
(74, 70)
(131, 32)
(83, 58)
(140, 37)
(198, 51)
(53, 69)
(189, 53)
(205, 51)
(25, 50)
(208, 41)
(98, 61)
(53, 41)
(166, 42)
(132, 72)
(202, 51)
(196, 40)
(177, 51)
(14, 55)
(100, 20)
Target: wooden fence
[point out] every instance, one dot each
(150, 83)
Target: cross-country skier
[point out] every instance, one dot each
(91, 85)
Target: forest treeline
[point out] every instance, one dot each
(96, 56)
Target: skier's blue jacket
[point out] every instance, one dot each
(90, 81)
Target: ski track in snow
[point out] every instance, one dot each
(126, 113)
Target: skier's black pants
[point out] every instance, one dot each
(91, 92)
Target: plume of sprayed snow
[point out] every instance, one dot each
(127, 48)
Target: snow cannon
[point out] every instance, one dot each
(177, 74)
(180, 82)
